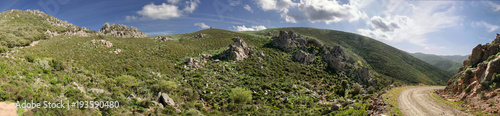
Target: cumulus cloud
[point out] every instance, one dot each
(202, 25)
(489, 27)
(248, 8)
(420, 18)
(329, 11)
(315, 10)
(165, 11)
(253, 28)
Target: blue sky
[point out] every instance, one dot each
(434, 27)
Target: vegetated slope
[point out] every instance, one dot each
(439, 61)
(383, 58)
(20, 28)
(477, 83)
(133, 72)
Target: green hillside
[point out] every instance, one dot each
(83, 65)
(442, 62)
(383, 58)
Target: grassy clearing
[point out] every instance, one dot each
(391, 97)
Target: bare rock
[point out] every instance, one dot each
(101, 43)
(165, 100)
(239, 50)
(193, 64)
(304, 57)
(163, 38)
(119, 30)
(199, 36)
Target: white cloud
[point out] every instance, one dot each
(489, 27)
(315, 10)
(173, 1)
(329, 11)
(202, 25)
(234, 2)
(410, 22)
(165, 11)
(496, 7)
(247, 7)
(253, 28)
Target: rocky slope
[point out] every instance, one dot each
(478, 80)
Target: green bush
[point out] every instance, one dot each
(29, 58)
(167, 86)
(3, 49)
(193, 112)
(240, 95)
(371, 90)
(356, 89)
(57, 65)
(126, 81)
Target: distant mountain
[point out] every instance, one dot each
(455, 58)
(448, 63)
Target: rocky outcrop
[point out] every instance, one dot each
(335, 57)
(193, 64)
(162, 38)
(199, 36)
(239, 50)
(304, 57)
(269, 34)
(119, 30)
(476, 81)
(101, 42)
(289, 41)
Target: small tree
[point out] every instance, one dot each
(240, 95)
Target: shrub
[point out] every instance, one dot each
(57, 65)
(167, 86)
(240, 95)
(371, 90)
(193, 112)
(126, 81)
(485, 83)
(356, 89)
(3, 49)
(29, 58)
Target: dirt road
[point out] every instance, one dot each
(418, 102)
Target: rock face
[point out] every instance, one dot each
(119, 30)
(477, 81)
(239, 50)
